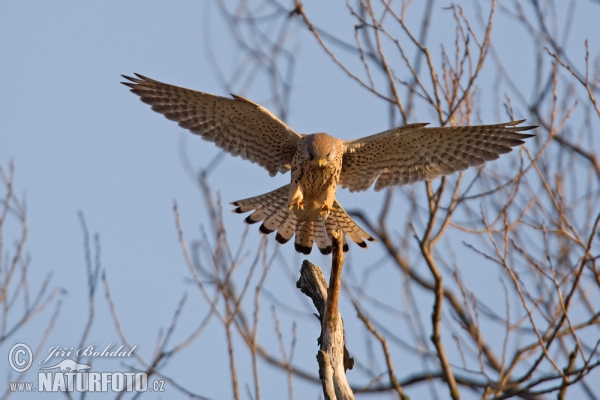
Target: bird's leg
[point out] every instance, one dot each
(325, 210)
(296, 198)
(328, 200)
(299, 204)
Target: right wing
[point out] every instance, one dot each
(414, 153)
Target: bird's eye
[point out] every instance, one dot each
(328, 154)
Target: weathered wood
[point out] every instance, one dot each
(333, 357)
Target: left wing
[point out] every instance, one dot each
(238, 125)
(412, 153)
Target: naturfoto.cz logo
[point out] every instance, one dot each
(69, 375)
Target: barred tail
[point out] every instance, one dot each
(272, 209)
(339, 218)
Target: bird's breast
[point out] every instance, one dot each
(316, 180)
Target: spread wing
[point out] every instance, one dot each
(238, 126)
(412, 153)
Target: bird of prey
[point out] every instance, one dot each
(307, 207)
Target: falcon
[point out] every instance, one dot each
(307, 207)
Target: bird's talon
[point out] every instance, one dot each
(327, 208)
(298, 204)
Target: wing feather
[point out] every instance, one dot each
(237, 125)
(413, 153)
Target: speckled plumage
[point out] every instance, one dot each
(307, 207)
(316, 168)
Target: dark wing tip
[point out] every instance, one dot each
(362, 244)
(326, 250)
(527, 128)
(371, 239)
(237, 210)
(249, 220)
(302, 249)
(263, 229)
(513, 126)
(142, 77)
(346, 248)
(281, 239)
(135, 81)
(132, 81)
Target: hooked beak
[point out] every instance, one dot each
(321, 162)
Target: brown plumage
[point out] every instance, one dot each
(307, 207)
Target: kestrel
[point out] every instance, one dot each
(319, 162)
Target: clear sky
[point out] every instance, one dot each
(81, 142)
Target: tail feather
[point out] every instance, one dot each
(260, 201)
(345, 246)
(267, 212)
(330, 225)
(287, 229)
(272, 209)
(350, 228)
(305, 237)
(323, 236)
(276, 219)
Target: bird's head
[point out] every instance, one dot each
(320, 149)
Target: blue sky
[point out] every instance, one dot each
(81, 142)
